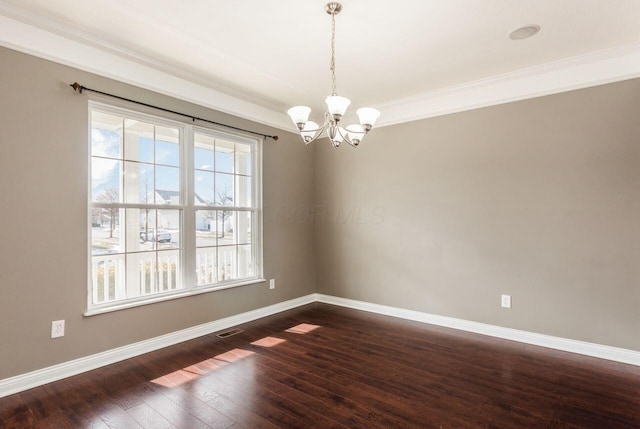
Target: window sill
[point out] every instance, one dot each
(183, 294)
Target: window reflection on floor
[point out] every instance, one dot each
(303, 328)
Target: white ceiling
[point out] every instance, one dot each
(275, 53)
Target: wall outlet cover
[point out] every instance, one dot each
(506, 301)
(57, 329)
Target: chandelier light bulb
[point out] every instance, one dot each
(299, 115)
(337, 140)
(368, 117)
(355, 133)
(309, 131)
(337, 106)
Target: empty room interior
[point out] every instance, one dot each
(312, 214)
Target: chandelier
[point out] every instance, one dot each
(336, 106)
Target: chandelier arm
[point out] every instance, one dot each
(318, 132)
(345, 135)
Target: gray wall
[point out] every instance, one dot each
(43, 189)
(539, 199)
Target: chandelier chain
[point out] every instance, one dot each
(333, 54)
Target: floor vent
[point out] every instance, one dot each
(228, 333)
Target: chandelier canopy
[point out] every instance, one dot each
(336, 106)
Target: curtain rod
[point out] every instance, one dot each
(79, 88)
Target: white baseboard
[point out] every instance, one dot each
(581, 347)
(42, 376)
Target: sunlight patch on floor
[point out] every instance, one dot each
(234, 355)
(175, 378)
(195, 371)
(268, 342)
(303, 328)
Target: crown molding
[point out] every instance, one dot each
(592, 69)
(47, 38)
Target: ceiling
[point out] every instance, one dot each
(398, 56)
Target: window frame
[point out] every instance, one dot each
(187, 206)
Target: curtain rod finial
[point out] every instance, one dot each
(77, 87)
(275, 138)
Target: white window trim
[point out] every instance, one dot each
(188, 255)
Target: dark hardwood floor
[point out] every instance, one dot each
(339, 368)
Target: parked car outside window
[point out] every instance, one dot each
(160, 235)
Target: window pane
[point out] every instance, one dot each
(141, 274)
(167, 146)
(203, 152)
(167, 185)
(207, 227)
(243, 159)
(227, 263)
(168, 232)
(245, 261)
(105, 231)
(108, 278)
(203, 184)
(105, 180)
(244, 227)
(138, 183)
(227, 230)
(141, 230)
(243, 191)
(203, 159)
(169, 270)
(224, 189)
(224, 156)
(206, 265)
(106, 135)
(138, 141)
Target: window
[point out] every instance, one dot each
(224, 217)
(174, 209)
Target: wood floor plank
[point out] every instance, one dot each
(41, 402)
(54, 421)
(321, 366)
(197, 408)
(147, 417)
(82, 416)
(244, 416)
(15, 413)
(117, 418)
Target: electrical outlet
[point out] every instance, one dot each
(272, 284)
(506, 301)
(57, 329)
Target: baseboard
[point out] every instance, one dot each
(39, 377)
(42, 376)
(581, 347)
